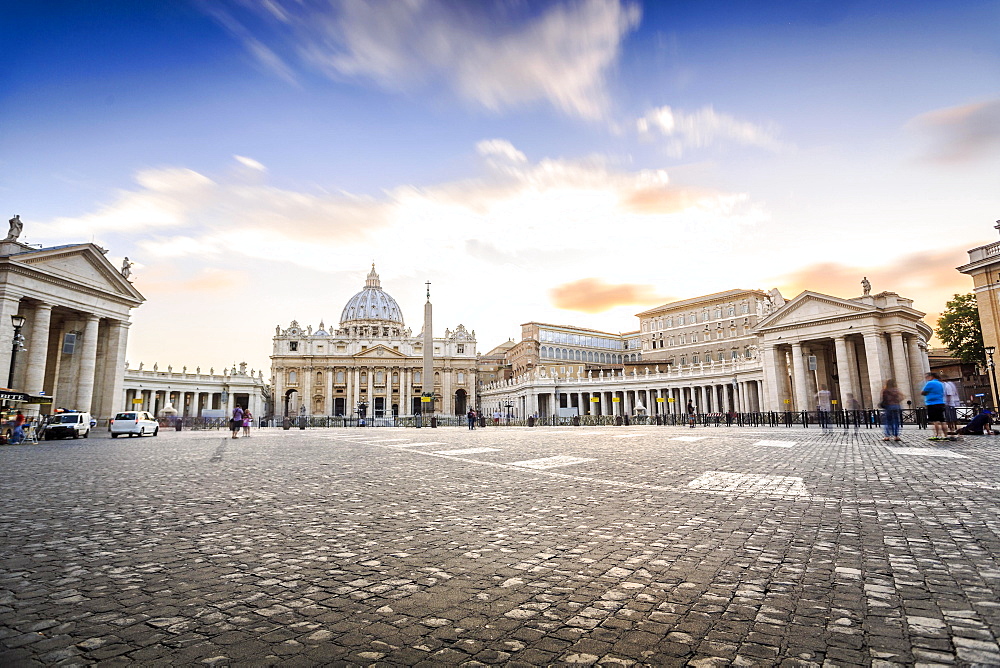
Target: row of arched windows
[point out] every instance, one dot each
(550, 352)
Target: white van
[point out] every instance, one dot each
(65, 425)
(134, 423)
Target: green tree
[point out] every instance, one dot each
(959, 329)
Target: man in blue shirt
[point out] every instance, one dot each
(934, 398)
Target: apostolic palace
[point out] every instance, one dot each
(738, 350)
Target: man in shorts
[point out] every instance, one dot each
(951, 404)
(933, 393)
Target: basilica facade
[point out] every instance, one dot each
(371, 362)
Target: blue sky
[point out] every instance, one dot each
(572, 162)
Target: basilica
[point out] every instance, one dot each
(371, 363)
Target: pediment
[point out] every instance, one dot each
(379, 352)
(811, 307)
(82, 265)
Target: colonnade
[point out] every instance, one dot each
(744, 396)
(853, 367)
(74, 357)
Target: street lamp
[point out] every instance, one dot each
(993, 375)
(18, 322)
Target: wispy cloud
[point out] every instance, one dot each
(680, 130)
(497, 56)
(961, 134)
(593, 295)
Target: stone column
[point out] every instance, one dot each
(112, 369)
(328, 400)
(9, 305)
(772, 381)
(873, 355)
(916, 371)
(799, 373)
(844, 371)
(371, 393)
(900, 368)
(38, 348)
(279, 390)
(88, 364)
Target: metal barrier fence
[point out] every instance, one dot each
(860, 419)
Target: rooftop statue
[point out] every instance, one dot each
(866, 285)
(15, 228)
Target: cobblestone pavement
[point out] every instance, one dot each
(516, 546)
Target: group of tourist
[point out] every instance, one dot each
(242, 419)
(942, 400)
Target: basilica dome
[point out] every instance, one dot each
(372, 303)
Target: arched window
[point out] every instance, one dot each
(319, 376)
(395, 378)
(364, 377)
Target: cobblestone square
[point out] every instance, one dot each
(501, 546)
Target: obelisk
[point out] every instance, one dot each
(428, 374)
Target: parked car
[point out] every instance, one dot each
(66, 425)
(134, 423)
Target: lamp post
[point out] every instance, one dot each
(993, 376)
(18, 322)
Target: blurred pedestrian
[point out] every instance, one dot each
(247, 421)
(236, 423)
(471, 416)
(823, 406)
(951, 404)
(892, 411)
(933, 394)
(691, 414)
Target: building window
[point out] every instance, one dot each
(340, 376)
(293, 346)
(292, 378)
(380, 378)
(731, 311)
(416, 376)
(319, 376)
(364, 377)
(69, 343)
(395, 378)
(461, 378)
(684, 360)
(461, 349)
(745, 308)
(694, 359)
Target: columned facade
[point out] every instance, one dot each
(76, 307)
(371, 362)
(851, 347)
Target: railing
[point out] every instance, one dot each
(190, 422)
(860, 419)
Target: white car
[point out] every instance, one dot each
(65, 425)
(134, 423)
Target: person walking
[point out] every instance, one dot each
(691, 413)
(237, 421)
(933, 394)
(471, 415)
(823, 406)
(951, 403)
(892, 411)
(247, 421)
(18, 434)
